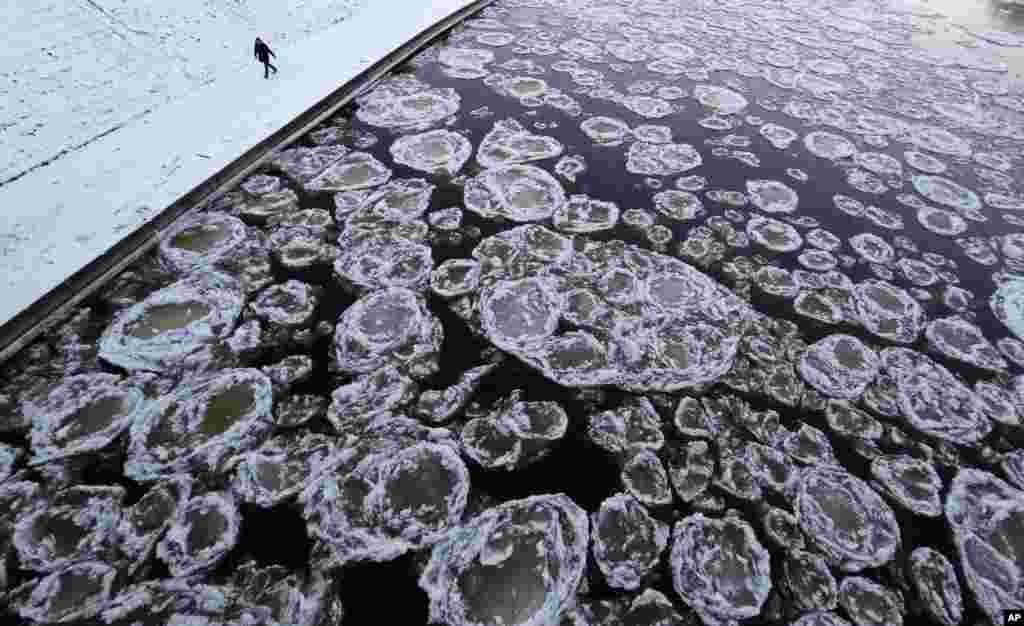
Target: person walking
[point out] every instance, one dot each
(263, 54)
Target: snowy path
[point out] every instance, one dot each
(57, 218)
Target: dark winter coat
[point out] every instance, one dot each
(262, 51)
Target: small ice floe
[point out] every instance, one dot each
(719, 568)
(602, 130)
(720, 99)
(521, 193)
(282, 467)
(945, 191)
(278, 596)
(845, 520)
(959, 339)
(174, 326)
(870, 604)
(440, 405)
(772, 196)
(633, 426)
(678, 205)
(773, 234)
(372, 261)
(515, 433)
(390, 326)
(661, 159)
(986, 514)
(355, 405)
(808, 581)
(143, 524)
(354, 171)
(934, 579)
(291, 304)
(455, 277)
(201, 534)
(782, 529)
(583, 214)
(83, 414)
(888, 311)
(912, 483)
(436, 152)
(525, 559)
(569, 167)
(509, 142)
(691, 469)
(627, 542)
(849, 421)
(299, 248)
(76, 592)
(840, 366)
(465, 63)
(826, 145)
(403, 491)
(404, 102)
(71, 526)
(201, 426)
(644, 477)
(202, 241)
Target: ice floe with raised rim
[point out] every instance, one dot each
(661, 159)
(912, 483)
(526, 558)
(435, 151)
(406, 103)
(354, 171)
(583, 214)
(201, 426)
(809, 582)
(509, 142)
(935, 581)
(719, 568)
(959, 339)
(82, 414)
(627, 542)
(521, 193)
(773, 234)
(390, 326)
(174, 326)
(848, 523)
(888, 311)
(932, 400)
(869, 603)
(839, 365)
(76, 592)
(202, 533)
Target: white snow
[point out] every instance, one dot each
(179, 96)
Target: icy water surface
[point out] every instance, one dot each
(618, 312)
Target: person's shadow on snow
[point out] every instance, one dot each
(263, 54)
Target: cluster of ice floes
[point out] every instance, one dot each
(401, 487)
(647, 321)
(515, 434)
(509, 142)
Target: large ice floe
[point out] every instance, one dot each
(518, 564)
(666, 325)
(719, 568)
(840, 366)
(390, 326)
(401, 487)
(406, 103)
(845, 520)
(201, 426)
(436, 151)
(521, 193)
(509, 142)
(176, 326)
(81, 415)
(987, 517)
(932, 400)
